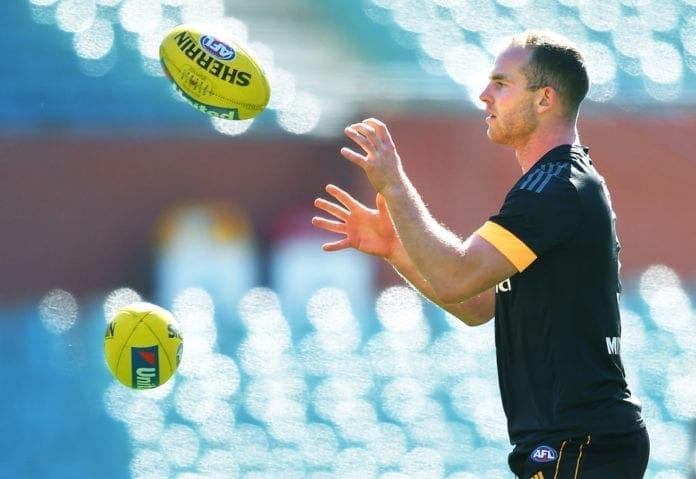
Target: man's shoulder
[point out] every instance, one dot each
(549, 175)
(554, 170)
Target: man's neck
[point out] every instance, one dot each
(543, 142)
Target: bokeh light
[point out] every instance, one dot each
(149, 464)
(423, 462)
(180, 444)
(355, 463)
(137, 16)
(117, 299)
(688, 34)
(58, 311)
(149, 41)
(202, 11)
(301, 114)
(144, 419)
(662, 16)
(600, 15)
(283, 88)
(661, 62)
(76, 15)
(94, 42)
(469, 14)
(669, 304)
(469, 65)
(231, 127)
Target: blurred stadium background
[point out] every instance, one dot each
(297, 363)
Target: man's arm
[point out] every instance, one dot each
(372, 231)
(474, 311)
(456, 270)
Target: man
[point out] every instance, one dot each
(546, 266)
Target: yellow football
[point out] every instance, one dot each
(214, 73)
(143, 345)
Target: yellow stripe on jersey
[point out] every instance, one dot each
(513, 248)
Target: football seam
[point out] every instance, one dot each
(171, 366)
(125, 343)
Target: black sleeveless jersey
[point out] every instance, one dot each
(557, 325)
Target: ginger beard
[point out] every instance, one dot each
(513, 126)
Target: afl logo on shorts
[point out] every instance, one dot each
(544, 454)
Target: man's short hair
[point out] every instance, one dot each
(557, 63)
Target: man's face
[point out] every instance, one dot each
(510, 106)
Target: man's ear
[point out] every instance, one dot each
(547, 98)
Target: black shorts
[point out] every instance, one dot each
(605, 456)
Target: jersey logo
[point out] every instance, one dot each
(538, 180)
(613, 345)
(544, 454)
(504, 286)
